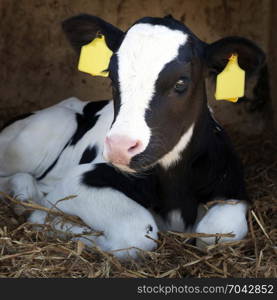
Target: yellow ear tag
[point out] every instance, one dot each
(95, 57)
(230, 82)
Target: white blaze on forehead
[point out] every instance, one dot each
(142, 55)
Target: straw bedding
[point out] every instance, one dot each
(27, 252)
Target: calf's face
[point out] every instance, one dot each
(157, 73)
(154, 75)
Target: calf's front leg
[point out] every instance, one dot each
(22, 187)
(125, 223)
(229, 217)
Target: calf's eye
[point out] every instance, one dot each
(181, 86)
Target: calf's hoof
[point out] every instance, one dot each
(223, 218)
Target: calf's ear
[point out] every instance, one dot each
(82, 29)
(250, 57)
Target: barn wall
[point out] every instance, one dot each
(38, 68)
(273, 60)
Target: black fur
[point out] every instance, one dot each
(89, 155)
(87, 120)
(82, 29)
(261, 91)
(250, 57)
(142, 189)
(84, 125)
(93, 107)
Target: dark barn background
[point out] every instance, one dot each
(38, 68)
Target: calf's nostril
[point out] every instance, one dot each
(135, 147)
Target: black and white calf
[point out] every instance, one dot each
(148, 158)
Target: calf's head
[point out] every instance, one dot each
(157, 71)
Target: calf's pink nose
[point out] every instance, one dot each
(120, 149)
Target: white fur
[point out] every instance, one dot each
(172, 157)
(74, 104)
(63, 228)
(71, 155)
(42, 135)
(224, 218)
(22, 187)
(37, 141)
(144, 52)
(123, 221)
(37, 217)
